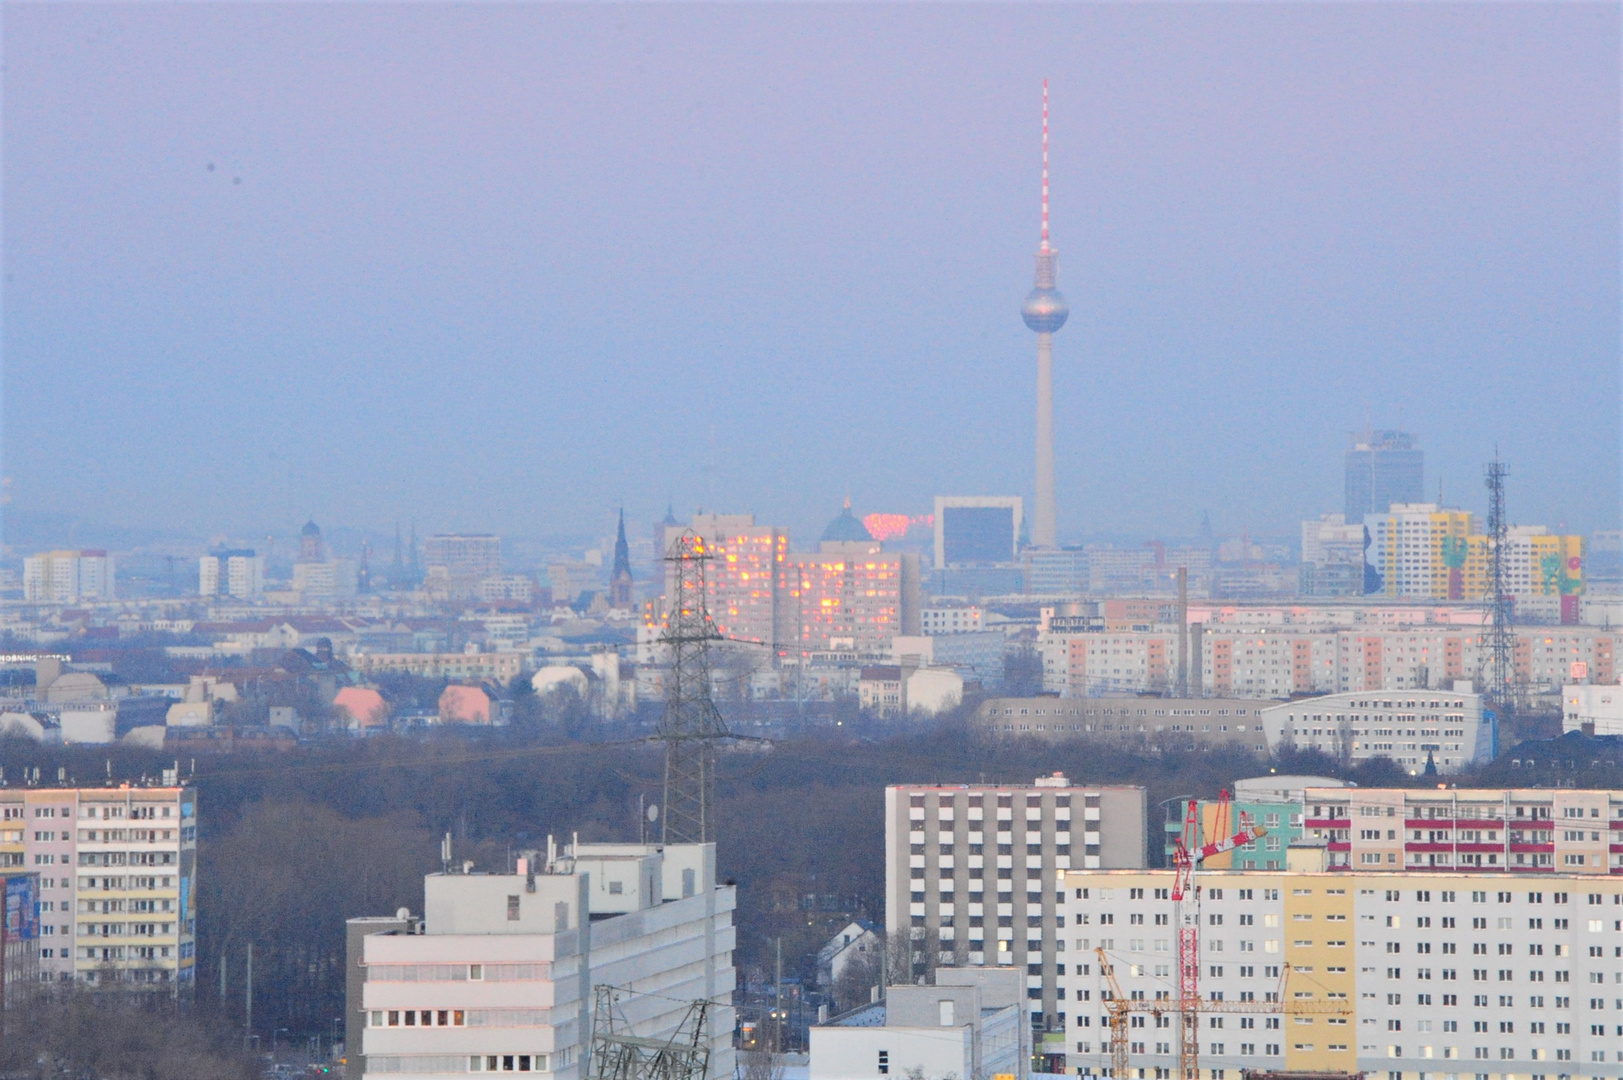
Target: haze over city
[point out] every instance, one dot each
(510, 267)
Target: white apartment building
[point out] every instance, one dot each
(68, 577)
(501, 976)
(1236, 659)
(239, 573)
(1442, 976)
(117, 873)
(960, 618)
(970, 1022)
(1514, 830)
(947, 848)
(1410, 727)
(1597, 710)
(1182, 723)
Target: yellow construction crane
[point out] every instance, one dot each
(1121, 1007)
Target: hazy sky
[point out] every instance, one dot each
(508, 266)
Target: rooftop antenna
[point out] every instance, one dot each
(1045, 246)
(445, 853)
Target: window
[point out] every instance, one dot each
(512, 909)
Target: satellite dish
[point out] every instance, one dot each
(653, 812)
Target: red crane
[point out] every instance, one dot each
(1186, 857)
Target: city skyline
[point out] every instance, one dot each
(1391, 221)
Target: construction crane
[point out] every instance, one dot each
(1121, 1007)
(1186, 859)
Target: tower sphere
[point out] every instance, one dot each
(1045, 310)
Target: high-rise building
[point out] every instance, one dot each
(1421, 976)
(68, 577)
(850, 596)
(744, 575)
(1044, 312)
(1422, 550)
(976, 530)
(461, 561)
(117, 865)
(239, 573)
(502, 972)
(1382, 468)
(956, 890)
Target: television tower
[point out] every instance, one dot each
(1045, 312)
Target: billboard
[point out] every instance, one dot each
(22, 912)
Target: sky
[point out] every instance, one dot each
(508, 267)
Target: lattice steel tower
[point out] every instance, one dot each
(1501, 644)
(691, 724)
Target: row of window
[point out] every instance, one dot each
(89, 813)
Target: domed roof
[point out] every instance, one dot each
(310, 529)
(846, 527)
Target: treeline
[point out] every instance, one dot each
(291, 845)
(79, 1033)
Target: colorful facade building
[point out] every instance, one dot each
(117, 873)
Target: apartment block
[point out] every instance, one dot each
(972, 872)
(68, 577)
(1426, 976)
(117, 871)
(1235, 659)
(500, 974)
(1183, 723)
(1413, 728)
(239, 573)
(1492, 830)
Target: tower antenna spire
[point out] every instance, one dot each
(1044, 312)
(1045, 164)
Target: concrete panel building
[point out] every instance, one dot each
(972, 871)
(499, 976)
(1441, 973)
(117, 881)
(970, 1023)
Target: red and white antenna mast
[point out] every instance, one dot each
(1045, 165)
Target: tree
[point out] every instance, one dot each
(80, 1033)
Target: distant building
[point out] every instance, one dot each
(950, 617)
(970, 1023)
(1422, 550)
(571, 580)
(117, 866)
(1593, 710)
(1332, 557)
(239, 573)
(937, 887)
(1418, 727)
(976, 655)
(518, 588)
(311, 547)
(464, 705)
(494, 666)
(331, 579)
(500, 975)
(974, 530)
(850, 595)
(458, 562)
(68, 577)
(1056, 571)
(1150, 723)
(880, 691)
(1382, 468)
(620, 581)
